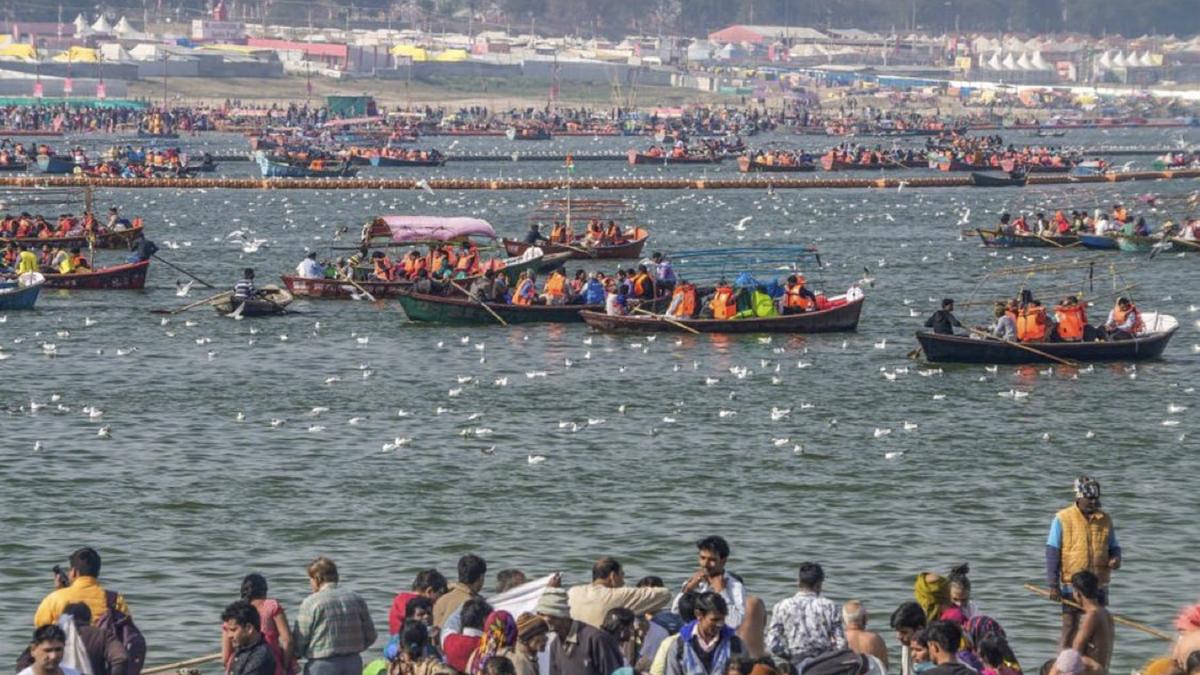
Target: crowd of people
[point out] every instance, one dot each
(1101, 222)
(710, 624)
(1027, 319)
(75, 118)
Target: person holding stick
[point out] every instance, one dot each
(1095, 636)
(1082, 538)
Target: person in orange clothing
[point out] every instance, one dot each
(1032, 323)
(80, 583)
(1072, 321)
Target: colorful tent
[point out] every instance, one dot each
(451, 56)
(411, 51)
(13, 52)
(78, 55)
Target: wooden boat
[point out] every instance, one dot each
(745, 165)
(271, 301)
(462, 310)
(126, 276)
(960, 349)
(14, 166)
(118, 239)
(1098, 242)
(21, 293)
(341, 290)
(273, 168)
(527, 134)
(55, 164)
(636, 158)
(830, 164)
(998, 180)
(841, 318)
(1135, 244)
(576, 251)
(381, 160)
(998, 239)
(1185, 244)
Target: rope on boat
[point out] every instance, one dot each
(553, 183)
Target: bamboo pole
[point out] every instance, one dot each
(1117, 618)
(168, 667)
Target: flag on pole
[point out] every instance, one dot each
(100, 91)
(38, 92)
(68, 85)
(570, 163)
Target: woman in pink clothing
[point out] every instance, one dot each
(272, 622)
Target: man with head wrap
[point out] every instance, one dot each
(1082, 539)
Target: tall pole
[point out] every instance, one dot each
(166, 59)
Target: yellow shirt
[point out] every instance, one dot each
(26, 262)
(67, 265)
(84, 589)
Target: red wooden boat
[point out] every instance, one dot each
(114, 240)
(630, 249)
(746, 165)
(126, 276)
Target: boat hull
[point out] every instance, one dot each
(341, 290)
(632, 249)
(636, 158)
(1098, 242)
(1001, 240)
(18, 298)
(747, 166)
(273, 302)
(129, 276)
(989, 180)
(108, 240)
(464, 311)
(54, 164)
(840, 319)
(957, 349)
(379, 160)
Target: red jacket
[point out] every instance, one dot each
(396, 614)
(458, 649)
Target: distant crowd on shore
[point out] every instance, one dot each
(711, 624)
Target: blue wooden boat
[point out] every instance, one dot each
(21, 294)
(55, 164)
(272, 168)
(1098, 242)
(1135, 244)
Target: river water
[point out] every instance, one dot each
(184, 499)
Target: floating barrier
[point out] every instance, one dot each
(585, 183)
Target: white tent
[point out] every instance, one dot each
(113, 51)
(1039, 63)
(994, 62)
(123, 27)
(102, 26)
(1023, 62)
(1008, 62)
(1147, 60)
(1119, 61)
(1106, 62)
(81, 25)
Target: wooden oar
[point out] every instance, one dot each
(198, 303)
(1049, 241)
(481, 303)
(668, 319)
(168, 667)
(984, 334)
(180, 269)
(1117, 618)
(354, 283)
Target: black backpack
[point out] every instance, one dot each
(836, 662)
(126, 633)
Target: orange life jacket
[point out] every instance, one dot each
(724, 303)
(687, 306)
(1031, 324)
(383, 268)
(524, 294)
(556, 285)
(1120, 315)
(794, 298)
(1071, 320)
(466, 263)
(642, 285)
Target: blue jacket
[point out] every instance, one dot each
(593, 293)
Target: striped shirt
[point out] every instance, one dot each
(243, 289)
(333, 622)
